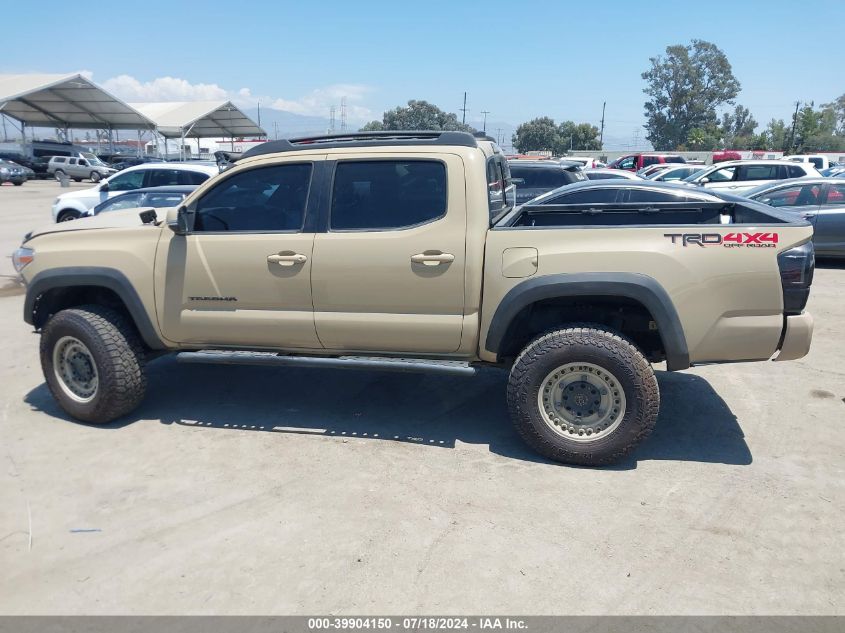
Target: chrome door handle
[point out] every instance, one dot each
(287, 259)
(428, 259)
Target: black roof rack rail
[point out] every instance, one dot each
(364, 139)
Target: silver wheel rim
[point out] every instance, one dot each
(75, 369)
(581, 402)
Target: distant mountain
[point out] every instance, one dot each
(288, 124)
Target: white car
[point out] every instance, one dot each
(603, 173)
(586, 162)
(675, 173)
(738, 176)
(817, 160)
(75, 204)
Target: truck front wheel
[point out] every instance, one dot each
(93, 362)
(583, 395)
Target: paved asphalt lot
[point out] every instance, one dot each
(252, 490)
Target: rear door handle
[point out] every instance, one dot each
(432, 259)
(287, 259)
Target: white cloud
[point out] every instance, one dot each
(163, 89)
(316, 103)
(319, 101)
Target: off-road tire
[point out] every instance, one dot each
(95, 177)
(58, 174)
(600, 347)
(117, 353)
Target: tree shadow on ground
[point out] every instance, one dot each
(430, 409)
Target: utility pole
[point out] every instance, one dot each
(259, 114)
(499, 140)
(601, 134)
(794, 121)
(343, 114)
(276, 129)
(485, 113)
(464, 110)
(331, 119)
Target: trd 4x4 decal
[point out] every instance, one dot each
(731, 240)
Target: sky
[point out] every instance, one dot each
(517, 60)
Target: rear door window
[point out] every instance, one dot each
(387, 194)
(758, 172)
(792, 196)
(794, 171)
(164, 177)
(835, 196)
(192, 177)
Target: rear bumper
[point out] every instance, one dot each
(797, 335)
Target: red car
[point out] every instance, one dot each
(635, 162)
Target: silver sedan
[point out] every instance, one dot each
(820, 200)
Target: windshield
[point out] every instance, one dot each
(92, 160)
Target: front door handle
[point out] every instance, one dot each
(287, 259)
(432, 259)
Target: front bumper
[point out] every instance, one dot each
(797, 335)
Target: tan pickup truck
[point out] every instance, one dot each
(404, 251)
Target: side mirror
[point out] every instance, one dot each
(703, 181)
(104, 186)
(180, 220)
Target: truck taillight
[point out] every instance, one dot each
(796, 267)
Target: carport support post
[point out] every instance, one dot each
(182, 146)
(23, 138)
(165, 148)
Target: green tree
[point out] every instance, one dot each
(776, 135)
(737, 129)
(418, 115)
(577, 136)
(838, 109)
(684, 88)
(697, 138)
(541, 134)
(815, 130)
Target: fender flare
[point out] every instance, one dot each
(642, 288)
(94, 276)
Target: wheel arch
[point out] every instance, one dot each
(54, 290)
(635, 288)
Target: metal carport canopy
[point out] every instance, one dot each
(199, 119)
(69, 101)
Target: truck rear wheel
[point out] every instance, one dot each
(583, 395)
(93, 362)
